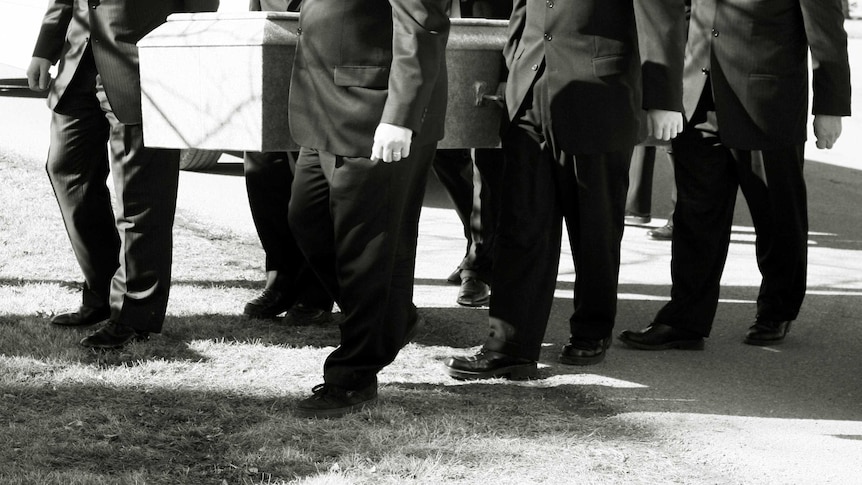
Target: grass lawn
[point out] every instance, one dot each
(209, 400)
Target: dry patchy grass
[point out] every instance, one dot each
(209, 400)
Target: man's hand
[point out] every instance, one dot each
(391, 143)
(37, 74)
(664, 125)
(827, 129)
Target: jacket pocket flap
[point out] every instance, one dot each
(609, 65)
(362, 76)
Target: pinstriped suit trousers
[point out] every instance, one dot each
(125, 253)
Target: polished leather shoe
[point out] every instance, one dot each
(329, 401)
(487, 364)
(85, 315)
(584, 351)
(302, 315)
(455, 277)
(474, 292)
(659, 336)
(634, 219)
(767, 332)
(113, 335)
(269, 304)
(663, 233)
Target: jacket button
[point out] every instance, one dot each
(534, 67)
(714, 33)
(704, 70)
(548, 36)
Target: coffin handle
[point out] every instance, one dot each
(484, 96)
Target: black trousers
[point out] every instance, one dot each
(639, 198)
(357, 222)
(268, 178)
(708, 175)
(541, 187)
(473, 183)
(125, 257)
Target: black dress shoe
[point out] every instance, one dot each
(663, 233)
(659, 336)
(585, 352)
(269, 304)
(113, 335)
(302, 315)
(329, 401)
(474, 292)
(487, 364)
(767, 332)
(85, 315)
(455, 277)
(634, 219)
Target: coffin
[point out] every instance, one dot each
(220, 81)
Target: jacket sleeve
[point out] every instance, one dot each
(662, 33)
(516, 29)
(420, 32)
(827, 41)
(52, 35)
(201, 5)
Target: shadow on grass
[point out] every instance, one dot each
(168, 436)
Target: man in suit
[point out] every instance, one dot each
(472, 179)
(291, 286)
(746, 104)
(367, 105)
(96, 100)
(639, 198)
(576, 90)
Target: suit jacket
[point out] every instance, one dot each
(362, 62)
(111, 28)
(605, 61)
(274, 5)
(756, 55)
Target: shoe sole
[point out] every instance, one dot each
(676, 344)
(333, 413)
(262, 316)
(764, 343)
(518, 372)
(253, 311)
(99, 319)
(134, 338)
(582, 360)
(74, 325)
(475, 303)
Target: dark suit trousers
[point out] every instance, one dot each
(474, 187)
(126, 262)
(639, 198)
(708, 175)
(541, 187)
(268, 177)
(357, 221)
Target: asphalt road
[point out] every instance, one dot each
(788, 412)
